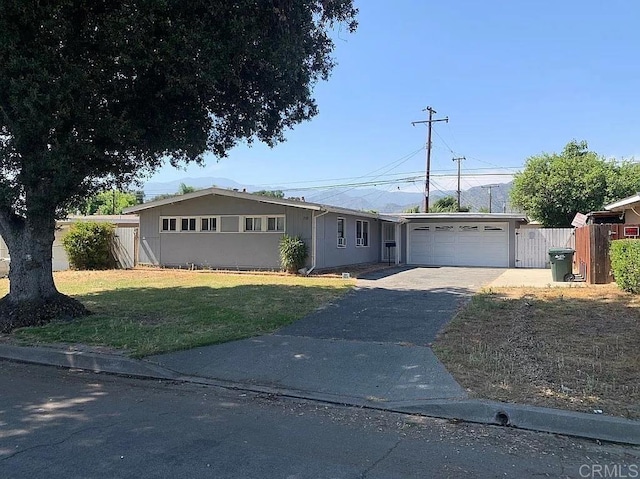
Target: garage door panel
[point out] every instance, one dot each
(461, 244)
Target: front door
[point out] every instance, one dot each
(388, 234)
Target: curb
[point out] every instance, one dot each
(97, 362)
(532, 418)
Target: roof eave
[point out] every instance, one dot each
(620, 205)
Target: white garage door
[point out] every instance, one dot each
(459, 244)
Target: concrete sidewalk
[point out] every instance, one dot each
(347, 371)
(535, 278)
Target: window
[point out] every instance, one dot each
(169, 224)
(362, 233)
(209, 224)
(253, 223)
(342, 241)
(275, 223)
(188, 224)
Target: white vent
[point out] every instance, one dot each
(342, 242)
(359, 242)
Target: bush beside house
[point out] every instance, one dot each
(88, 245)
(293, 253)
(625, 263)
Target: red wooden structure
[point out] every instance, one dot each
(591, 259)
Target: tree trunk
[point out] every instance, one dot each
(33, 298)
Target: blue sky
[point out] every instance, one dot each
(515, 78)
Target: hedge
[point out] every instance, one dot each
(625, 263)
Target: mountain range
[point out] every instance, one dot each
(367, 199)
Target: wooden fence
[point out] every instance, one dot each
(591, 259)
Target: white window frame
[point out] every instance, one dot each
(362, 236)
(253, 224)
(209, 219)
(341, 237)
(168, 219)
(189, 219)
(276, 219)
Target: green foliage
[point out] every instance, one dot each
(447, 204)
(98, 94)
(552, 188)
(413, 209)
(271, 193)
(293, 253)
(183, 189)
(88, 245)
(625, 263)
(110, 202)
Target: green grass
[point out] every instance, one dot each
(151, 311)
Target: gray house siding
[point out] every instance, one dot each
(230, 246)
(330, 255)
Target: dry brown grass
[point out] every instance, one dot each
(573, 348)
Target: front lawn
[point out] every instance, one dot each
(572, 348)
(148, 311)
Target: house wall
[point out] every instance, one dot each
(329, 255)
(229, 248)
(631, 217)
(513, 224)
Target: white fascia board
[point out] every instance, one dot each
(620, 205)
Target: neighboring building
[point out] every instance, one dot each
(628, 208)
(228, 229)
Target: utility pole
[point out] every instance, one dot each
(427, 179)
(489, 187)
(459, 160)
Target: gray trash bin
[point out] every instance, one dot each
(561, 260)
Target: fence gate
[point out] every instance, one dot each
(124, 248)
(532, 245)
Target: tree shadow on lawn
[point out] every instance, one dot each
(152, 320)
(576, 350)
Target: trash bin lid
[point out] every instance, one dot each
(561, 251)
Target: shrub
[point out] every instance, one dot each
(293, 253)
(88, 245)
(625, 263)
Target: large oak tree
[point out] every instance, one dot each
(97, 93)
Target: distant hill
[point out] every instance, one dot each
(366, 199)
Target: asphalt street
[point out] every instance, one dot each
(74, 424)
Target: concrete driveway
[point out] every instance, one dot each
(371, 346)
(400, 305)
